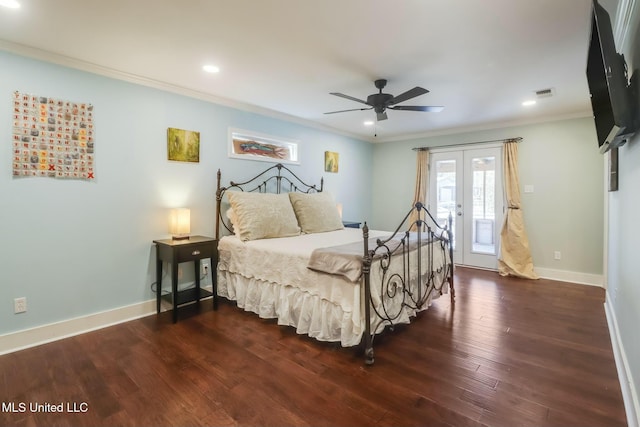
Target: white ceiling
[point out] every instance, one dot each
(479, 59)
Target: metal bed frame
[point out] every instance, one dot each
(424, 229)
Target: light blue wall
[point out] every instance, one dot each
(623, 281)
(623, 293)
(560, 159)
(74, 248)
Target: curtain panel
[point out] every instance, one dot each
(422, 183)
(515, 256)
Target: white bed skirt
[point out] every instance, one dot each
(308, 314)
(270, 277)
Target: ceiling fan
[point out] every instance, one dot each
(383, 101)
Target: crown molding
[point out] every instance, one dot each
(490, 126)
(89, 67)
(66, 61)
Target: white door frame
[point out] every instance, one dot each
(463, 253)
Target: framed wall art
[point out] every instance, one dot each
(52, 138)
(183, 145)
(331, 161)
(249, 145)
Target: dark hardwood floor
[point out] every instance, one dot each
(510, 352)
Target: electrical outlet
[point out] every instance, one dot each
(557, 255)
(204, 267)
(20, 305)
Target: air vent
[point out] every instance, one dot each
(544, 93)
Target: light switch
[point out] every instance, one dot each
(528, 188)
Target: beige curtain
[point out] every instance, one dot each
(422, 182)
(515, 257)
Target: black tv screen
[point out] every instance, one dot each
(608, 84)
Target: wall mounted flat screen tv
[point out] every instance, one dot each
(611, 99)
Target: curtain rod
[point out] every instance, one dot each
(516, 139)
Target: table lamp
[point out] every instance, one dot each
(180, 223)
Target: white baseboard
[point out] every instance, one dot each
(559, 275)
(629, 393)
(55, 331)
(43, 334)
(571, 276)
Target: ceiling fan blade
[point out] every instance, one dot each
(381, 116)
(353, 109)
(342, 95)
(427, 108)
(411, 93)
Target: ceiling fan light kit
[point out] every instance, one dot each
(380, 102)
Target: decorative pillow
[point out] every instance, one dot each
(233, 219)
(316, 212)
(262, 216)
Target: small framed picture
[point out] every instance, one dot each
(183, 145)
(331, 161)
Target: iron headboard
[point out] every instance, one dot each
(274, 179)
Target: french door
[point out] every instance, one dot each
(468, 185)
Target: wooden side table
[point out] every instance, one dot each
(174, 252)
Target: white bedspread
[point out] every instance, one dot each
(270, 277)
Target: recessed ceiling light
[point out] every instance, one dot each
(368, 123)
(529, 103)
(211, 68)
(11, 4)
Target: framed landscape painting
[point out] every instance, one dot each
(183, 145)
(331, 161)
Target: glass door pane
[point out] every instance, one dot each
(483, 220)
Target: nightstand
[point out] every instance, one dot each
(351, 224)
(174, 252)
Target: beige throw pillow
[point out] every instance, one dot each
(262, 216)
(316, 212)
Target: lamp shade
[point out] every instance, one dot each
(180, 223)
